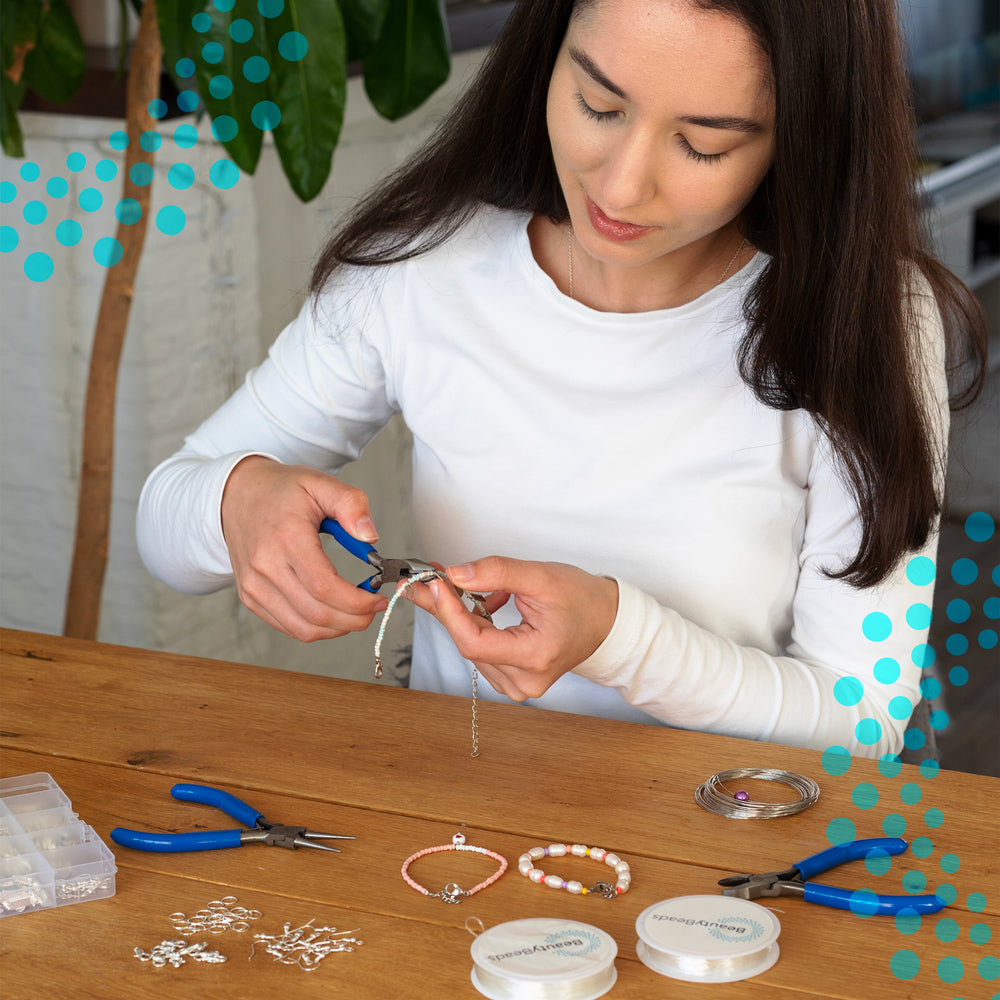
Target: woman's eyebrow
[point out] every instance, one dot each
(594, 72)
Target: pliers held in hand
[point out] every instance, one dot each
(390, 571)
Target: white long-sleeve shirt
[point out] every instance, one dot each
(625, 444)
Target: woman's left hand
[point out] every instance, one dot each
(566, 614)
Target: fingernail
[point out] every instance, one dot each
(462, 573)
(364, 528)
(435, 586)
(381, 606)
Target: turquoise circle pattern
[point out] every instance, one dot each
(980, 526)
(989, 968)
(293, 46)
(224, 174)
(946, 930)
(889, 765)
(56, 187)
(914, 882)
(170, 220)
(241, 30)
(886, 670)
(256, 69)
(933, 818)
(908, 921)
(865, 795)
(905, 964)
(877, 627)
(900, 707)
(964, 571)
(922, 847)
(918, 616)
(38, 266)
(128, 211)
(950, 969)
(848, 690)
(836, 760)
(180, 176)
(108, 251)
(69, 232)
(894, 825)
(980, 933)
(266, 115)
(868, 732)
(8, 239)
(841, 831)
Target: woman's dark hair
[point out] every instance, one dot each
(829, 317)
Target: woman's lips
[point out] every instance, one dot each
(620, 232)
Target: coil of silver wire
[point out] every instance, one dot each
(714, 796)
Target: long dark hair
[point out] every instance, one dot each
(829, 318)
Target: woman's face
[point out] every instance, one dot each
(661, 118)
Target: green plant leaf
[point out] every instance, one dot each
(55, 66)
(11, 139)
(310, 91)
(363, 20)
(410, 60)
(176, 35)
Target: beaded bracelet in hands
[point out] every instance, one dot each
(526, 866)
(452, 893)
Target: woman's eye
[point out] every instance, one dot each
(700, 157)
(597, 116)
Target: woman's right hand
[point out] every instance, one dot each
(270, 519)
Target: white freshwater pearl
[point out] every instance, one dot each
(611, 860)
(553, 881)
(536, 875)
(557, 850)
(524, 865)
(622, 867)
(579, 850)
(574, 886)
(598, 853)
(536, 853)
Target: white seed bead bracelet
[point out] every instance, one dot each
(526, 866)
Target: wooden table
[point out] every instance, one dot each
(117, 727)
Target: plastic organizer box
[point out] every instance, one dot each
(48, 856)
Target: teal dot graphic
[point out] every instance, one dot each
(956, 644)
(877, 626)
(920, 571)
(987, 638)
(914, 739)
(180, 176)
(958, 611)
(212, 52)
(56, 187)
(950, 864)
(989, 968)
(991, 607)
(958, 676)
(8, 239)
(270, 8)
(878, 861)
(224, 128)
(865, 795)
(170, 220)
(128, 211)
(848, 690)
(868, 732)
(996, 574)
(863, 903)
(220, 87)
(894, 825)
(108, 251)
(188, 100)
(886, 670)
(106, 170)
(964, 571)
(241, 30)
(836, 760)
(141, 174)
(69, 232)
(224, 5)
(90, 199)
(265, 115)
(904, 964)
(118, 140)
(933, 818)
(911, 793)
(938, 719)
(976, 902)
(256, 69)
(900, 707)
(150, 141)
(914, 882)
(922, 847)
(184, 68)
(979, 526)
(35, 213)
(8, 192)
(980, 933)
(946, 930)
(38, 266)
(930, 769)
(923, 655)
(30, 171)
(950, 969)
(202, 22)
(185, 136)
(907, 921)
(293, 46)
(840, 831)
(224, 174)
(157, 108)
(947, 893)
(76, 161)
(889, 765)
(918, 616)
(930, 688)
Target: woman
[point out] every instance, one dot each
(654, 306)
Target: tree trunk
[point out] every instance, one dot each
(93, 518)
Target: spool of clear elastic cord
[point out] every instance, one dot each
(544, 958)
(707, 939)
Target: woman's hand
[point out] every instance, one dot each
(566, 614)
(270, 519)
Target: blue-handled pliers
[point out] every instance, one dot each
(386, 570)
(260, 832)
(792, 881)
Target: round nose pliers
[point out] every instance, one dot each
(260, 830)
(793, 881)
(390, 571)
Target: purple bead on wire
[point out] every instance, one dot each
(742, 796)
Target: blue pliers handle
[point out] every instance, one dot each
(793, 881)
(260, 830)
(386, 570)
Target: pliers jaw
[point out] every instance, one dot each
(292, 837)
(394, 571)
(786, 883)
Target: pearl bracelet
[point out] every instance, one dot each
(452, 893)
(526, 866)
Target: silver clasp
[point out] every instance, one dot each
(451, 893)
(606, 889)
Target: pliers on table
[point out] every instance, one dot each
(792, 881)
(386, 570)
(260, 832)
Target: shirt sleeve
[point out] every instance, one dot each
(850, 675)
(317, 400)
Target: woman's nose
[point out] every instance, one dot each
(630, 173)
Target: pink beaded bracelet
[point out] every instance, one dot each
(526, 866)
(452, 893)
